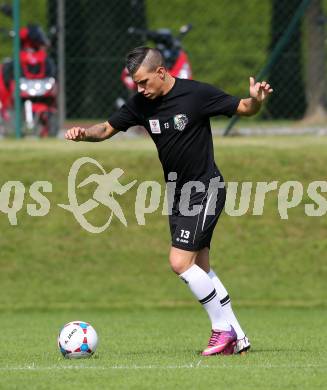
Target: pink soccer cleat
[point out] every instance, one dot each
(219, 341)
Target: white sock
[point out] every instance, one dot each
(226, 305)
(203, 288)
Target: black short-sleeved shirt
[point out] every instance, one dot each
(179, 125)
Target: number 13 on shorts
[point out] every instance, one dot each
(185, 233)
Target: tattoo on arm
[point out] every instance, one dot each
(96, 133)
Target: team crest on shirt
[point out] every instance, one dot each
(180, 122)
(155, 126)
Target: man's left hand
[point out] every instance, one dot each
(260, 90)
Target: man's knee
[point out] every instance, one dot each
(181, 260)
(178, 265)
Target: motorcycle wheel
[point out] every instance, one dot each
(38, 129)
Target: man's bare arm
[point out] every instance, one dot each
(248, 107)
(95, 133)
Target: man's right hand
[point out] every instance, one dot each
(76, 134)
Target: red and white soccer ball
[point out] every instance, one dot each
(77, 339)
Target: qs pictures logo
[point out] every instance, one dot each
(108, 186)
(102, 189)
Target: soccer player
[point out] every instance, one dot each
(175, 113)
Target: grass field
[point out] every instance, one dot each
(151, 330)
(159, 349)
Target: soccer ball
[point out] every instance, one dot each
(77, 339)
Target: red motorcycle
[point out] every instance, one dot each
(170, 47)
(38, 86)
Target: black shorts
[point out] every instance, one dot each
(193, 233)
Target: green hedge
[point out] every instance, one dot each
(228, 43)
